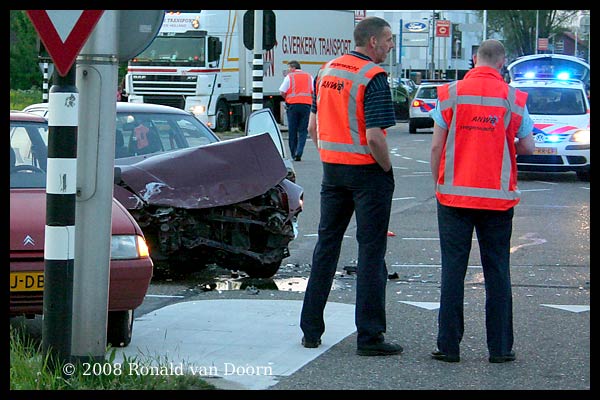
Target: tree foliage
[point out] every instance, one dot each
(24, 70)
(518, 27)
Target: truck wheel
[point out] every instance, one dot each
(222, 117)
(120, 328)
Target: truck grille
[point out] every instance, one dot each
(173, 101)
(164, 84)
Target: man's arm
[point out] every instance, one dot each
(437, 145)
(379, 148)
(284, 86)
(312, 128)
(525, 145)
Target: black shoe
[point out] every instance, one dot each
(502, 359)
(379, 349)
(438, 355)
(309, 344)
(297, 158)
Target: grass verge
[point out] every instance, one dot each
(30, 369)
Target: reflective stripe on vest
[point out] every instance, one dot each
(505, 196)
(299, 91)
(360, 79)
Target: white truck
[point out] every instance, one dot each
(199, 61)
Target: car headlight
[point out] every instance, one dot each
(581, 136)
(127, 247)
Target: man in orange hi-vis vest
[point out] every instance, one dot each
(352, 106)
(297, 89)
(480, 124)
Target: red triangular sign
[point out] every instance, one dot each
(64, 32)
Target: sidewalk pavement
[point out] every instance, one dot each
(233, 343)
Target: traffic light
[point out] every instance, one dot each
(471, 63)
(268, 29)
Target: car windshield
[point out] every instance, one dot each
(146, 133)
(28, 154)
(554, 101)
(137, 133)
(427, 93)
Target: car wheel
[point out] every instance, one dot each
(120, 328)
(583, 176)
(412, 126)
(222, 116)
(255, 269)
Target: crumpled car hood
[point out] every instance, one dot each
(217, 174)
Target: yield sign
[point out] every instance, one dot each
(64, 32)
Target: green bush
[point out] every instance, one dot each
(20, 99)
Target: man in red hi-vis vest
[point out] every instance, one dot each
(352, 107)
(297, 89)
(480, 125)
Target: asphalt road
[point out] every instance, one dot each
(215, 317)
(551, 289)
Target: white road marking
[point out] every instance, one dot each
(249, 342)
(571, 308)
(428, 305)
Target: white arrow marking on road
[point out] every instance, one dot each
(428, 305)
(567, 307)
(529, 236)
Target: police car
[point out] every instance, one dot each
(423, 103)
(560, 109)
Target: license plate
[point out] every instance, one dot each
(545, 150)
(26, 281)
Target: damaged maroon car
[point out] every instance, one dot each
(200, 200)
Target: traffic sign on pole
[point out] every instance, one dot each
(64, 32)
(442, 28)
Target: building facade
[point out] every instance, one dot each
(431, 44)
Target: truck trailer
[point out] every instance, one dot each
(200, 60)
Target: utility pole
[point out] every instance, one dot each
(484, 24)
(257, 62)
(537, 27)
(432, 69)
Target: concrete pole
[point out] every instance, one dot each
(484, 24)
(432, 69)
(537, 27)
(97, 75)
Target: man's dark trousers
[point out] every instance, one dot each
(297, 115)
(367, 191)
(494, 229)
